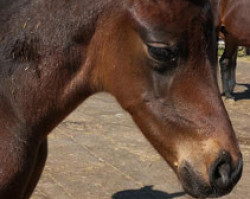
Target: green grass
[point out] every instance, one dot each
(220, 52)
(240, 53)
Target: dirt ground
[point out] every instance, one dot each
(98, 153)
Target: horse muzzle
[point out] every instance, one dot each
(223, 175)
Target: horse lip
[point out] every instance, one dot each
(192, 183)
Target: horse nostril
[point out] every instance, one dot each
(221, 173)
(237, 171)
(222, 176)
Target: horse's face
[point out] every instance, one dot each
(158, 57)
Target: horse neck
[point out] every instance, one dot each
(47, 62)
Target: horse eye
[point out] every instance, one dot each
(162, 54)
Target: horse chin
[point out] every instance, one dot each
(196, 186)
(205, 192)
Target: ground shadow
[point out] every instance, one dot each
(242, 95)
(146, 192)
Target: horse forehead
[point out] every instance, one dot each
(162, 12)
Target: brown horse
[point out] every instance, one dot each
(157, 57)
(234, 23)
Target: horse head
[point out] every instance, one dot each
(158, 58)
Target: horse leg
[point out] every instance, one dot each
(233, 64)
(227, 68)
(225, 75)
(38, 169)
(18, 150)
(17, 160)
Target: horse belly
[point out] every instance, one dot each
(237, 22)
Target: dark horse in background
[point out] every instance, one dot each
(233, 23)
(157, 57)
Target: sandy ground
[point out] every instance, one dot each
(98, 153)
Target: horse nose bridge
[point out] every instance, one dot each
(206, 112)
(197, 91)
(199, 99)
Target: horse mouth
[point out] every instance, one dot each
(193, 184)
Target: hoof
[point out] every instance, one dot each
(229, 96)
(229, 100)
